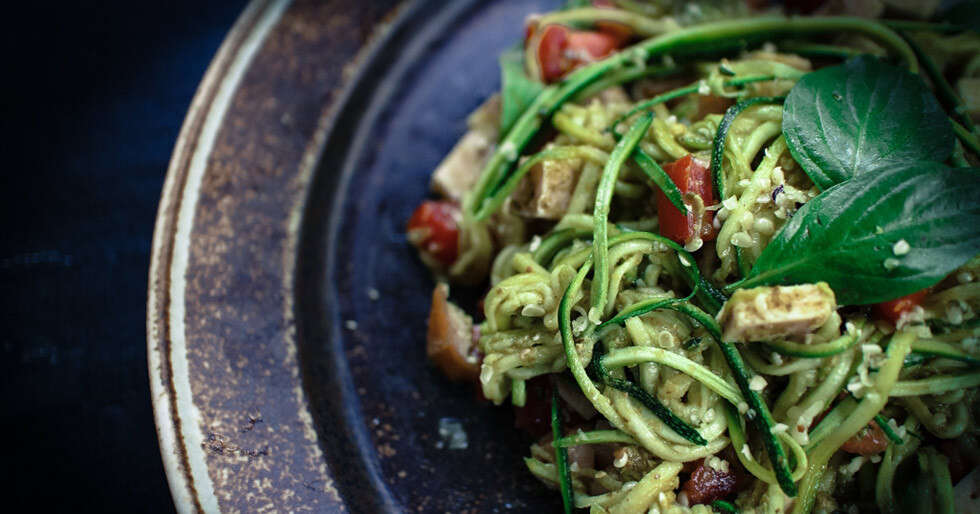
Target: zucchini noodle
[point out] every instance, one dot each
(595, 302)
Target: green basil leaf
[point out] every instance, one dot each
(847, 235)
(849, 119)
(517, 90)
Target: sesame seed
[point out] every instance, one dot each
(901, 247)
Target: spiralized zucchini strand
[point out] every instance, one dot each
(814, 351)
(561, 456)
(600, 237)
(648, 400)
(596, 437)
(936, 385)
(639, 354)
(721, 136)
(688, 39)
(863, 413)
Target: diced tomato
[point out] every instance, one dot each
(561, 50)
(551, 52)
(691, 177)
(434, 230)
(707, 484)
(869, 440)
(892, 310)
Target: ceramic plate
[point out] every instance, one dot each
(287, 313)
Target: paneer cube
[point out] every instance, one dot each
(459, 171)
(779, 312)
(546, 190)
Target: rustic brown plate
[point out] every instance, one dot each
(286, 313)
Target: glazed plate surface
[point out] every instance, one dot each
(287, 313)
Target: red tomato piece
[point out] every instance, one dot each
(892, 310)
(595, 45)
(434, 230)
(707, 484)
(561, 50)
(551, 52)
(691, 177)
(870, 440)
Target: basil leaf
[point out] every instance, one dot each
(517, 90)
(852, 118)
(847, 235)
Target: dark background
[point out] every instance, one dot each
(93, 97)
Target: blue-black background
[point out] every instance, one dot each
(93, 97)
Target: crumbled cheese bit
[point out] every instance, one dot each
(891, 263)
(373, 294)
(693, 245)
(778, 177)
(779, 428)
(757, 383)
(875, 459)
(716, 463)
(703, 88)
(852, 467)
(574, 467)
(350, 325)
(901, 247)
(742, 407)
(671, 119)
(509, 149)
(535, 243)
(914, 315)
(776, 358)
